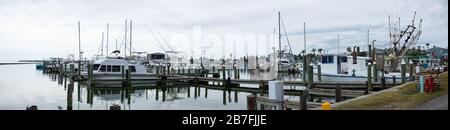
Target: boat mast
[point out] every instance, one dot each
(338, 44)
(131, 29)
(79, 49)
(390, 30)
(107, 39)
(103, 34)
(279, 42)
(125, 39)
(304, 36)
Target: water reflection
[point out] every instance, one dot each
(57, 91)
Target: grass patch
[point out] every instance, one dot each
(406, 98)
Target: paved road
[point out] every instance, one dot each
(440, 103)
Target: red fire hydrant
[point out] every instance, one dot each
(429, 84)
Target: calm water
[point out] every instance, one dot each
(23, 85)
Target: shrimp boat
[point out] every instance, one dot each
(344, 68)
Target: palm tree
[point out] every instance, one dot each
(313, 51)
(320, 50)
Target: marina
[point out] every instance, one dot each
(135, 66)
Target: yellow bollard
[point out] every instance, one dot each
(326, 106)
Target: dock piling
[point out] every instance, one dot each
(369, 76)
(403, 71)
(251, 102)
(304, 100)
(319, 72)
(338, 94)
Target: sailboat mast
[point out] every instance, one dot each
(103, 34)
(339, 49)
(79, 48)
(107, 39)
(131, 31)
(125, 40)
(279, 40)
(304, 36)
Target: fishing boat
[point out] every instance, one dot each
(342, 67)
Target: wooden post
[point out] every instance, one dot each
(65, 68)
(394, 80)
(234, 72)
(164, 94)
(224, 97)
(223, 74)
(319, 72)
(128, 76)
(411, 71)
(251, 102)
(369, 76)
(235, 96)
(403, 72)
(338, 94)
(163, 70)
(189, 92)
(157, 70)
(157, 94)
(383, 82)
(305, 65)
(375, 72)
(123, 71)
(304, 100)
(366, 91)
(91, 74)
(168, 69)
(239, 74)
(206, 92)
(310, 76)
(261, 87)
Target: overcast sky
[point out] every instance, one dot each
(37, 29)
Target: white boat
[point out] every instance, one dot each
(114, 69)
(343, 68)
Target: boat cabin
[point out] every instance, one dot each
(117, 66)
(344, 64)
